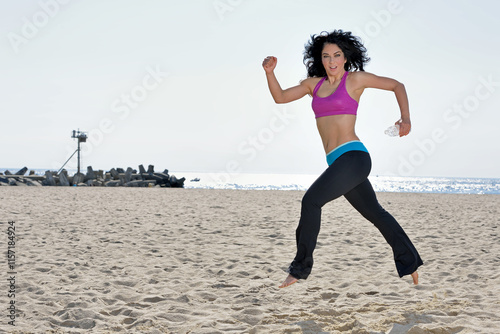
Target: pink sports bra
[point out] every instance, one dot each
(338, 103)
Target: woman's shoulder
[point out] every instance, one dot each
(310, 83)
(358, 78)
(361, 75)
(358, 74)
(311, 80)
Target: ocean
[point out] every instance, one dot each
(414, 184)
(380, 183)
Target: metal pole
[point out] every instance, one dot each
(60, 169)
(78, 156)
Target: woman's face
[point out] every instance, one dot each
(333, 59)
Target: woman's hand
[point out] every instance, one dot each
(269, 64)
(404, 127)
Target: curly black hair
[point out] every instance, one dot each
(351, 46)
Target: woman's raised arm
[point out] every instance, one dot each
(280, 95)
(367, 80)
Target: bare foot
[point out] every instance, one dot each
(415, 277)
(288, 281)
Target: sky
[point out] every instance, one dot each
(179, 84)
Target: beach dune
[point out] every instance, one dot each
(99, 260)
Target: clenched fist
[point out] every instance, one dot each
(269, 64)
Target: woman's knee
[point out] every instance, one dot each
(309, 199)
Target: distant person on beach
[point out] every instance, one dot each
(336, 80)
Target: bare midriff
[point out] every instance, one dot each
(336, 130)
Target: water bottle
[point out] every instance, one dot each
(392, 131)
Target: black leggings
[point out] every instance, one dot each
(348, 176)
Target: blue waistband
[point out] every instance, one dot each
(354, 145)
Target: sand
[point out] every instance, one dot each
(128, 260)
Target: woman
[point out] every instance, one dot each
(335, 91)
